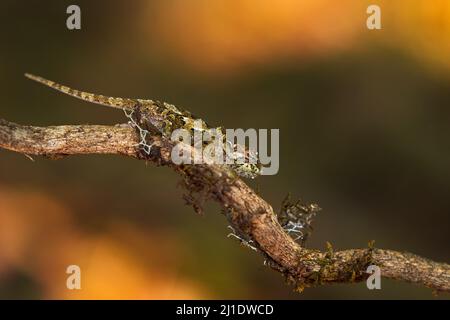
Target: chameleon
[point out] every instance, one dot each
(162, 118)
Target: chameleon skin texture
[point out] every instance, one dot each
(118, 103)
(156, 117)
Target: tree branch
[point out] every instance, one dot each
(247, 212)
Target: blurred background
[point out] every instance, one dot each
(364, 129)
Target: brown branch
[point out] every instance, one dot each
(247, 212)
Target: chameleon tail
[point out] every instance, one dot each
(119, 103)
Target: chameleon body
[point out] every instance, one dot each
(157, 117)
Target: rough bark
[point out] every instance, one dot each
(247, 212)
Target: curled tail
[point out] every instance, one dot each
(119, 103)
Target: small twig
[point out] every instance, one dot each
(29, 157)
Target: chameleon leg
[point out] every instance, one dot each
(137, 122)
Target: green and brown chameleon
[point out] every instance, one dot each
(160, 118)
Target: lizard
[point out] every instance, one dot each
(160, 118)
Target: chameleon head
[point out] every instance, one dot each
(247, 170)
(246, 164)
